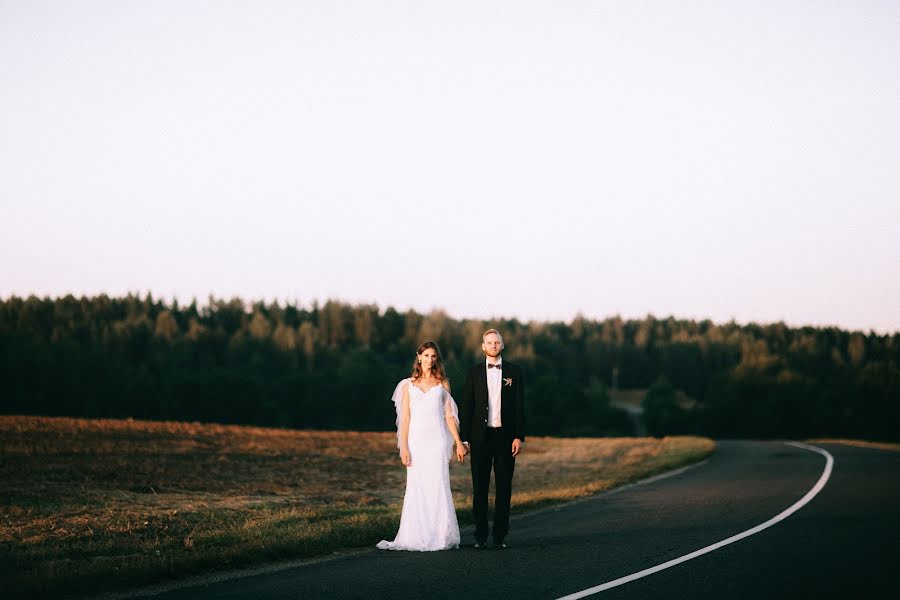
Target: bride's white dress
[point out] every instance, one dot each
(428, 521)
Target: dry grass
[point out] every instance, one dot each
(90, 505)
(858, 443)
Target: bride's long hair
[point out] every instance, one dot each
(437, 369)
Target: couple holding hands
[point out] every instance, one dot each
(489, 425)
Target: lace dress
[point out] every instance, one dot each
(428, 521)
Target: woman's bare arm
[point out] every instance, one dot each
(405, 457)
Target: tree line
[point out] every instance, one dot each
(334, 366)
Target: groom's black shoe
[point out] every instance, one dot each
(480, 544)
(499, 543)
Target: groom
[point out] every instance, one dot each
(492, 426)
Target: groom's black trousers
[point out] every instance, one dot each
(496, 452)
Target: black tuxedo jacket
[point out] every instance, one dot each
(473, 412)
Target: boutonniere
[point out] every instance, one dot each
(507, 381)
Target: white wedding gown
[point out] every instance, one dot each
(428, 521)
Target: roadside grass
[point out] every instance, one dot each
(88, 506)
(857, 443)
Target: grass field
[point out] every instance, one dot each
(857, 443)
(99, 505)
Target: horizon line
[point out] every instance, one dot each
(315, 304)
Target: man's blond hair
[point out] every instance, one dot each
(490, 331)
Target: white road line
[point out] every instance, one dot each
(829, 463)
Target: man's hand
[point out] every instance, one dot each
(517, 447)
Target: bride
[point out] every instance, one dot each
(427, 427)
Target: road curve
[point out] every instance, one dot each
(843, 543)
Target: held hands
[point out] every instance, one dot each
(461, 450)
(405, 457)
(517, 447)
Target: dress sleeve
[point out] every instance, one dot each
(450, 408)
(397, 399)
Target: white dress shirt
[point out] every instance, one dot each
(494, 383)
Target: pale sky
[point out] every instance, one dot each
(523, 159)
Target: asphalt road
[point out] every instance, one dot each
(844, 544)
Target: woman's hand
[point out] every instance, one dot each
(405, 457)
(461, 452)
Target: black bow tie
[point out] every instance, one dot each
(497, 366)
